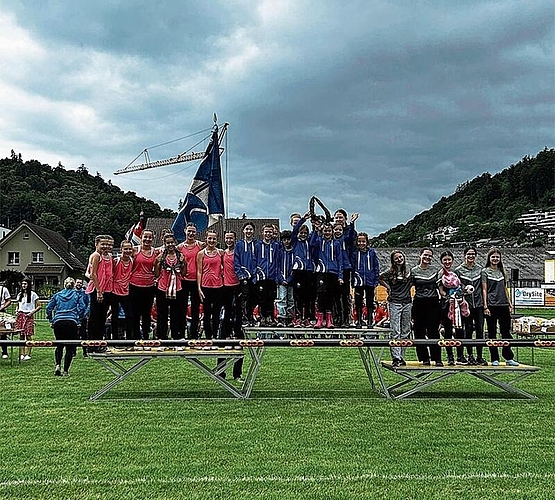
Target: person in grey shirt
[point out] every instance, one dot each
(398, 284)
(470, 275)
(425, 307)
(497, 305)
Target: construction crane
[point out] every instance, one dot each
(181, 158)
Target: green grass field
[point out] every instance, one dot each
(313, 429)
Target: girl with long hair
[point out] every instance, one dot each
(27, 305)
(426, 308)
(170, 269)
(210, 283)
(397, 281)
(497, 305)
(141, 286)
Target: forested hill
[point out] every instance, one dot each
(485, 207)
(74, 203)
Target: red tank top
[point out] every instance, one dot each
(167, 269)
(105, 275)
(190, 256)
(122, 275)
(230, 278)
(142, 273)
(212, 271)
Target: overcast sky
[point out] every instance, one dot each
(379, 107)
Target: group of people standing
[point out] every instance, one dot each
(454, 300)
(307, 274)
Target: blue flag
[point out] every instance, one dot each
(204, 203)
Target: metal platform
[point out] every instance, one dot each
(124, 363)
(417, 377)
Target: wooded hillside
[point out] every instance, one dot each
(76, 204)
(486, 206)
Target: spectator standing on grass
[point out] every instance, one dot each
(497, 305)
(27, 305)
(5, 301)
(398, 283)
(65, 312)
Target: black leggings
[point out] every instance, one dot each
(501, 314)
(65, 330)
(142, 299)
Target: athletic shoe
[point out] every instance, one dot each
(439, 363)
(511, 362)
(481, 362)
(396, 362)
(26, 357)
(471, 360)
(495, 363)
(403, 362)
(58, 371)
(4, 356)
(66, 374)
(451, 361)
(461, 360)
(426, 363)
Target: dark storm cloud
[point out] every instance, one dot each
(378, 107)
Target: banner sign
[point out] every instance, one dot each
(529, 297)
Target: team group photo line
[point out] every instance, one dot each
(320, 274)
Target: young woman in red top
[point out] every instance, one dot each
(189, 250)
(231, 324)
(210, 283)
(122, 275)
(169, 270)
(100, 286)
(141, 285)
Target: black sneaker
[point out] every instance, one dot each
(481, 362)
(439, 363)
(426, 362)
(451, 361)
(402, 362)
(461, 360)
(471, 360)
(396, 362)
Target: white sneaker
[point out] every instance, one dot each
(4, 356)
(26, 357)
(511, 362)
(21, 357)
